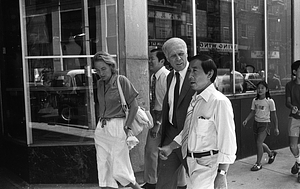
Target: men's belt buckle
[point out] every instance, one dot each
(192, 155)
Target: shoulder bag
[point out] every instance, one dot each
(142, 118)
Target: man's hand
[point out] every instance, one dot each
(154, 131)
(164, 152)
(220, 181)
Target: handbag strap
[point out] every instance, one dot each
(123, 101)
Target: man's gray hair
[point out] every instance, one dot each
(171, 42)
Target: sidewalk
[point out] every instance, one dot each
(274, 176)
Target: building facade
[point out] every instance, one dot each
(47, 104)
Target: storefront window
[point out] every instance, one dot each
(250, 37)
(279, 44)
(60, 38)
(168, 19)
(214, 38)
(242, 53)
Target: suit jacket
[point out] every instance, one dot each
(168, 130)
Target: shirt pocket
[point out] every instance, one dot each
(202, 127)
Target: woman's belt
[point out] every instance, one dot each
(104, 120)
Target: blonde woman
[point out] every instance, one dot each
(112, 152)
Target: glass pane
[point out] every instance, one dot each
(61, 85)
(251, 42)
(12, 88)
(214, 38)
(59, 27)
(279, 44)
(168, 19)
(58, 100)
(42, 33)
(103, 26)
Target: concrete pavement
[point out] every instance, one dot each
(271, 176)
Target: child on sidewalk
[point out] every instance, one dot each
(292, 94)
(263, 107)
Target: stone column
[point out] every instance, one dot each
(296, 30)
(133, 60)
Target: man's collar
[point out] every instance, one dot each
(206, 93)
(183, 72)
(157, 74)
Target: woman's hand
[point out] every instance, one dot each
(127, 131)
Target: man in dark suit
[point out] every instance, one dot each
(171, 174)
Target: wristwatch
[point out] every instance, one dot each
(157, 123)
(126, 127)
(222, 172)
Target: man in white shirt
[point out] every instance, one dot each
(158, 90)
(208, 138)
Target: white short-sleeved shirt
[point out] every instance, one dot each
(262, 109)
(160, 87)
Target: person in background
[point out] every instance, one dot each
(171, 174)
(71, 48)
(263, 107)
(112, 152)
(208, 138)
(292, 94)
(250, 68)
(158, 87)
(273, 80)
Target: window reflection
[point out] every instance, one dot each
(61, 36)
(168, 19)
(214, 37)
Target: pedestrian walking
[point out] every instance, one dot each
(171, 173)
(158, 88)
(264, 110)
(292, 94)
(110, 136)
(208, 138)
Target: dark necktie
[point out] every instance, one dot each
(176, 96)
(153, 96)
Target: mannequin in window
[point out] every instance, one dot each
(71, 48)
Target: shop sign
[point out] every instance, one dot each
(220, 47)
(156, 43)
(261, 54)
(167, 15)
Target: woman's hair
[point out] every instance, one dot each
(107, 58)
(264, 83)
